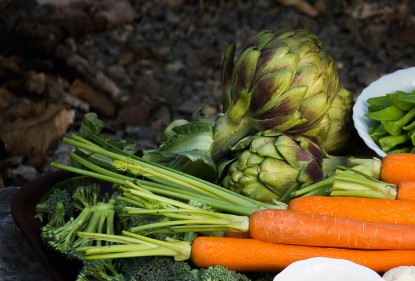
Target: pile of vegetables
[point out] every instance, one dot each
(242, 195)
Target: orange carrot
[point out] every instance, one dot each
(254, 255)
(398, 167)
(406, 190)
(291, 227)
(365, 209)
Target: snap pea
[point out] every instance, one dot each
(394, 127)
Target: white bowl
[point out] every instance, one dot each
(320, 268)
(403, 80)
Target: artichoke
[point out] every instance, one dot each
(271, 165)
(334, 131)
(283, 80)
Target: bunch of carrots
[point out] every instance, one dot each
(376, 233)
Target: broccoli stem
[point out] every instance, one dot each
(133, 245)
(313, 188)
(163, 174)
(349, 182)
(178, 213)
(157, 174)
(194, 219)
(360, 179)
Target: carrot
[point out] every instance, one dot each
(398, 167)
(291, 227)
(365, 209)
(253, 255)
(406, 190)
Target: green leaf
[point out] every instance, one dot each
(187, 148)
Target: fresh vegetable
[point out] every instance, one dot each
(157, 268)
(219, 272)
(116, 167)
(86, 196)
(186, 147)
(392, 118)
(99, 270)
(270, 166)
(282, 80)
(358, 180)
(49, 205)
(291, 227)
(98, 218)
(406, 190)
(398, 167)
(333, 132)
(239, 254)
(365, 209)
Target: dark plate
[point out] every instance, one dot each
(23, 212)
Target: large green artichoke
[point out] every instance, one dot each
(334, 131)
(270, 166)
(282, 80)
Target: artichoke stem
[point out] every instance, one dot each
(226, 134)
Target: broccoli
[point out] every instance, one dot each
(57, 219)
(158, 269)
(99, 270)
(221, 273)
(49, 205)
(94, 219)
(86, 196)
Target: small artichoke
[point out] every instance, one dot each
(269, 166)
(334, 131)
(283, 80)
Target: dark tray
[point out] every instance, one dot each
(23, 212)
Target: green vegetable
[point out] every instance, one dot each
(100, 270)
(157, 268)
(97, 219)
(117, 168)
(393, 121)
(282, 80)
(333, 132)
(186, 147)
(48, 206)
(218, 272)
(270, 166)
(359, 179)
(177, 216)
(86, 196)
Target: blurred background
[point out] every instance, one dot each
(141, 64)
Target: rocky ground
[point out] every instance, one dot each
(166, 62)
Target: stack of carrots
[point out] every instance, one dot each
(376, 233)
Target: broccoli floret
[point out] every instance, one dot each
(158, 269)
(99, 270)
(86, 196)
(221, 273)
(49, 205)
(57, 219)
(95, 219)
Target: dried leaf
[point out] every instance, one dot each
(98, 102)
(36, 133)
(302, 6)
